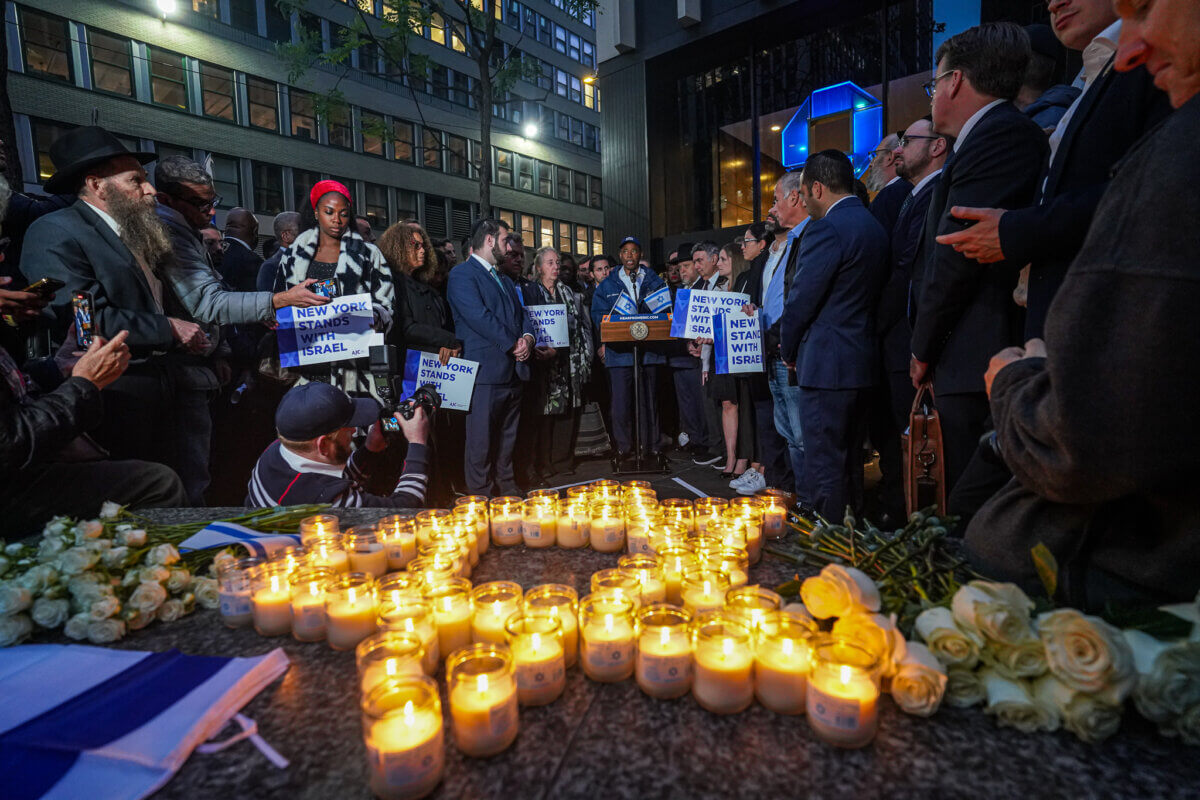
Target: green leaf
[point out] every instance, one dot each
(789, 589)
(1047, 568)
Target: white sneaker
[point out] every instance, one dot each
(684, 439)
(737, 482)
(755, 483)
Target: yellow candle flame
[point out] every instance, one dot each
(788, 647)
(314, 588)
(497, 608)
(389, 666)
(845, 675)
(274, 583)
(535, 642)
(608, 623)
(727, 647)
(408, 625)
(481, 683)
(353, 597)
(665, 635)
(448, 603)
(707, 587)
(409, 716)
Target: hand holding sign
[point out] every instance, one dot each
(455, 381)
(737, 343)
(338, 331)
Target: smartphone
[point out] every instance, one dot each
(46, 287)
(85, 327)
(326, 288)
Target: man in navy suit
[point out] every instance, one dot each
(494, 330)
(828, 330)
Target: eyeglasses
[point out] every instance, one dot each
(931, 86)
(906, 140)
(746, 242)
(203, 205)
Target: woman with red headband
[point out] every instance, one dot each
(331, 249)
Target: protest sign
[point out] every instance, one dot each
(694, 309)
(737, 342)
(454, 382)
(549, 325)
(338, 331)
(657, 300)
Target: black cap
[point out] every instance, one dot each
(1042, 40)
(682, 253)
(79, 149)
(315, 409)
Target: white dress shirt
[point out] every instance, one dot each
(1095, 56)
(921, 184)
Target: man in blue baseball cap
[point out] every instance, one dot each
(312, 460)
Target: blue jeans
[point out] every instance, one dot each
(787, 415)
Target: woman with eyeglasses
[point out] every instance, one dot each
(724, 389)
(752, 388)
(422, 315)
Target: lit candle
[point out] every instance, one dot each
(605, 490)
(608, 638)
(292, 558)
(678, 511)
(412, 614)
(637, 530)
(507, 519)
(475, 508)
(774, 517)
(782, 662)
(327, 551)
(649, 576)
(318, 525)
(404, 738)
(272, 601)
(443, 546)
(308, 603)
(708, 512)
(752, 604)
(495, 602)
(365, 552)
(399, 537)
(349, 610)
(452, 612)
(664, 655)
(539, 525)
(537, 648)
(233, 592)
(733, 564)
(426, 571)
(559, 601)
(674, 562)
(388, 655)
(843, 693)
(703, 590)
(483, 699)
(723, 681)
(607, 533)
(619, 582)
(574, 524)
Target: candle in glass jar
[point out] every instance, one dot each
(538, 660)
(619, 582)
(431, 521)
(452, 612)
(559, 601)
(607, 533)
(703, 590)
(350, 605)
(365, 552)
(752, 605)
(404, 738)
(399, 537)
(678, 511)
(233, 592)
(774, 515)
(674, 562)
(308, 603)
(723, 679)
(388, 655)
(483, 699)
(413, 614)
(272, 600)
(637, 531)
(782, 662)
(574, 524)
(843, 693)
(327, 551)
(507, 519)
(495, 602)
(318, 525)
(645, 568)
(539, 525)
(664, 654)
(607, 636)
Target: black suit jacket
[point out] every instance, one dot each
(77, 247)
(1118, 110)
(891, 319)
(240, 265)
(886, 205)
(965, 310)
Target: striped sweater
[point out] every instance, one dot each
(282, 477)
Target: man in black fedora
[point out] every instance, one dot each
(108, 244)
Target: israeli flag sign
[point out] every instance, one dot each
(225, 534)
(550, 324)
(737, 342)
(659, 299)
(454, 382)
(694, 310)
(338, 331)
(624, 306)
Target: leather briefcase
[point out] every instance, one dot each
(924, 461)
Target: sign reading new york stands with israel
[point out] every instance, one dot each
(337, 331)
(550, 324)
(694, 309)
(737, 342)
(454, 382)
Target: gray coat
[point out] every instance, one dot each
(1103, 436)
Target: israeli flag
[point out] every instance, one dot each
(624, 307)
(95, 722)
(224, 534)
(657, 300)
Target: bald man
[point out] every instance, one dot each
(240, 264)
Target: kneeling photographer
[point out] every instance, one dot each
(312, 461)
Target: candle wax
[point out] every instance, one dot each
(773, 523)
(540, 669)
(607, 535)
(406, 754)
(608, 649)
(336, 560)
(698, 599)
(723, 681)
(781, 677)
(453, 620)
(539, 531)
(400, 551)
(664, 663)
(379, 670)
(506, 528)
(272, 611)
(373, 561)
(843, 708)
(573, 531)
(308, 617)
(488, 622)
(484, 711)
(348, 623)
(236, 611)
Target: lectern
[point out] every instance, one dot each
(638, 329)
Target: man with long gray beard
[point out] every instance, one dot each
(107, 245)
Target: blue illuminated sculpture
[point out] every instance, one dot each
(865, 119)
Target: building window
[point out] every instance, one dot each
(431, 149)
(528, 232)
(564, 185)
(268, 188)
(590, 134)
(573, 47)
(437, 28)
(341, 132)
(110, 63)
(263, 101)
(504, 168)
(545, 32)
(168, 79)
(44, 39)
(207, 8)
(216, 84)
(594, 193)
(406, 205)
(376, 205)
(563, 129)
(304, 116)
(302, 183)
(507, 218)
(564, 237)
(243, 15)
(525, 166)
(476, 160)
(576, 90)
(456, 155)
(227, 180)
(577, 131)
(545, 179)
(439, 82)
(457, 43)
(372, 134)
(512, 14)
(279, 24)
(462, 90)
(164, 150)
(597, 241)
(560, 39)
(44, 134)
(581, 192)
(547, 233)
(589, 55)
(560, 83)
(581, 240)
(402, 134)
(589, 95)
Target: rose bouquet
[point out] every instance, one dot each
(99, 579)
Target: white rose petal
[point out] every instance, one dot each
(1014, 705)
(222, 560)
(76, 627)
(1082, 714)
(964, 687)
(180, 579)
(170, 611)
(208, 593)
(920, 681)
(88, 530)
(15, 549)
(1168, 676)
(878, 634)
(50, 548)
(838, 591)
(999, 611)
(1025, 659)
(50, 613)
(14, 598)
(14, 629)
(115, 558)
(153, 575)
(136, 620)
(1186, 726)
(132, 538)
(953, 646)
(77, 560)
(148, 596)
(104, 607)
(39, 578)
(162, 555)
(1088, 654)
(110, 510)
(105, 631)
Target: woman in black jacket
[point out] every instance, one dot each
(423, 315)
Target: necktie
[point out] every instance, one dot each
(907, 202)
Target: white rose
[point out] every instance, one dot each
(1082, 714)
(1025, 659)
(38, 579)
(4, 564)
(1168, 676)
(105, 631)
(148, 596)
(153, 575)
(77, 560)
(171, 610)
(953, 646)
(110, 510)
(51, 613)
(208, 593)
(14, 597)
(57, 526)
(222, 560)
(964, 687)
(136, 620)
(838, 591)
(99, 545)
(180, 579)
(115, 558)
(15, 549)
(104, 607)
(1014, 705)
(1000, 611)
(1088, 654)
(1186, 726)
(14, 628)
(878, 634)
(162, 555)
(76, 627)
(132, 538)
(920, 681)
(50, 548)
(131, 578)
(88, 530)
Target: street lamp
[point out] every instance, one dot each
(530, 130)
(166, 7)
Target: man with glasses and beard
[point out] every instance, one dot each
(108, 245)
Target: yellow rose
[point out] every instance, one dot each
(838, 591)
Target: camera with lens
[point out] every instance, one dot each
(384, 371)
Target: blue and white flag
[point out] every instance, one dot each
(95, 722)
(225, 534)
(737, 342)
(659, 299)
(679, 315)
(624, 306)
(337, 331)
(455, 382)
